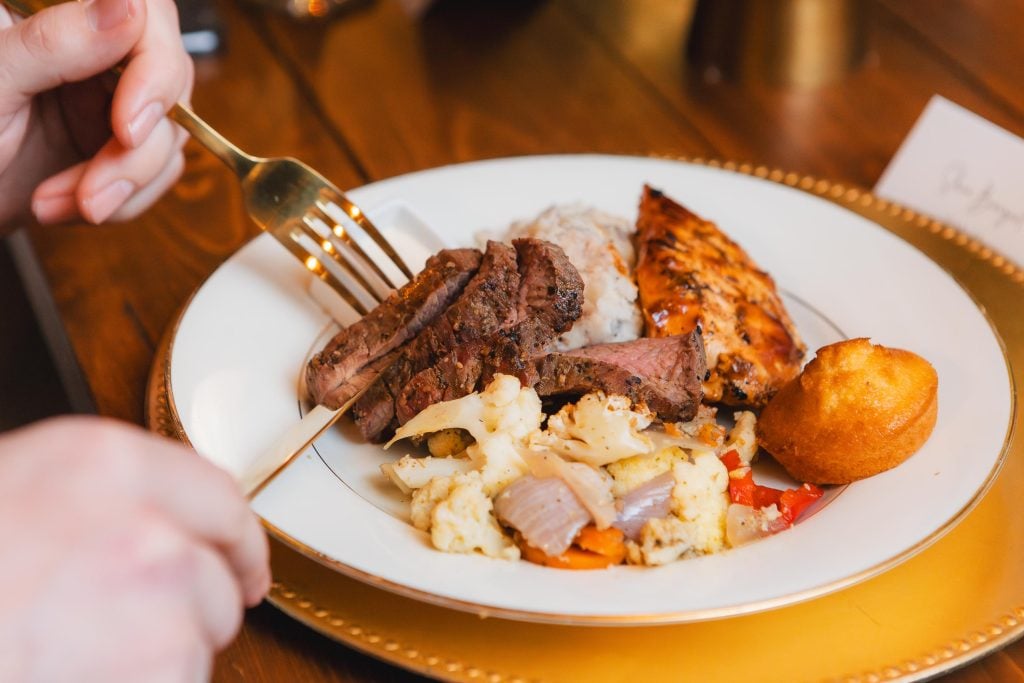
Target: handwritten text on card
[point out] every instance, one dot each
(964, 170)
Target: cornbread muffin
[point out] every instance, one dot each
(856, 410)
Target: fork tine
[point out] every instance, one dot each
(339, 232)
(357, 215)
(313, 264)
(327, 244)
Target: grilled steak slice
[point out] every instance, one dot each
(664, 372)
(550, 300)
(399, 318)
(362, 377)
(487, 304)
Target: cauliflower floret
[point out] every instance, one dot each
(505, 406)
(597, 430)
(700, 497)
(500, 418)
(498, 461)
(742, 438)
(510, 408)
(458, 515)
(661, 541)
(426, 498)
(629, 473)
(411, 473)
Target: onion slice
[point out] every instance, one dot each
(650, 500)
(545, 511)
(744, 524)
(593, 490)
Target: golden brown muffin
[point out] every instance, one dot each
(856, 410)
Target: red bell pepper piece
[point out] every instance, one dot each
(744, 491)
(731, 460)
(793, 502)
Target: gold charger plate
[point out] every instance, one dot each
(956, 601)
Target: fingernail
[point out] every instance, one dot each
(142, 125)
(104, 15)
(54, 209)
(100, 205)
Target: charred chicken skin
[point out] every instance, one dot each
(691, 275)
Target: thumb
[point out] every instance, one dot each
(69, 42)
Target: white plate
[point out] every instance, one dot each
(238, 351)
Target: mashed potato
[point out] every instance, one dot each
(598, 244)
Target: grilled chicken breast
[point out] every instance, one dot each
(690, 275)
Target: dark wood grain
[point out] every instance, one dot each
(845, 131)
(376, 93)
(977, 38)
(475, 80)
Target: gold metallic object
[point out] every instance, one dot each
(786, 42)
(310, 9)
(955, 601)
(298, 206)
(305, 213)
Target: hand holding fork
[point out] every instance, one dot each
(303, 211)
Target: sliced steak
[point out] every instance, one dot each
(549, 301)
(399, 318)
(663, 372)
(364, 376)
(488, 303)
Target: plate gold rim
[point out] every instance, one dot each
(162, 416)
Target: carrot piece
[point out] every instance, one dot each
(573, 558)
(609, 542)
(672, 429)
(709, 433)
(531, 554)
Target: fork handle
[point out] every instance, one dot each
(235, 159)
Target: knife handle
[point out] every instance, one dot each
(291, 445)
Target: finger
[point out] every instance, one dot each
(116, 173)
(214, 510)
(197, 496)
(53, 200)
(207, 501)
(147, 196)
(159, 73)
(217, 597)
(69, 42)
(135, 574)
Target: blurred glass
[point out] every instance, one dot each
(787, 42)
(310, 9)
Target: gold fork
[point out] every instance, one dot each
(304, 211)
(306, 214)
(312, 219)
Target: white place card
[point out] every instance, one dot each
(964, 170)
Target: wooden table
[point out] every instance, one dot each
(374, 93)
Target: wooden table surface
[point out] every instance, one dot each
(375, 93)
